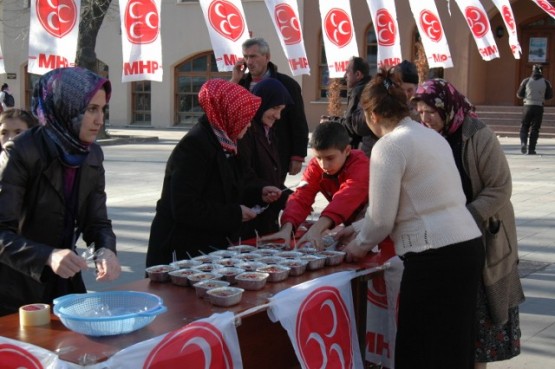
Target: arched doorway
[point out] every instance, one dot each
(538, 47)
(190, 75)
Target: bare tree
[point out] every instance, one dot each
(92, 16)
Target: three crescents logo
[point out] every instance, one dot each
(430, 24)
(508, 17)
(323, 330)
(545, 5)
(13, 357)
(57, 17)
(338, 27)
(376, 293)
(226, 19)
(288, 24)
(142, 21)
(198, 345)
(386, 28)
(477, 21)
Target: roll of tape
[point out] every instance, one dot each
(34, 314)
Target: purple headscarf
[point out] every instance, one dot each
(451, 105)
(60, 99)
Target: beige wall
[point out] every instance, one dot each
(184, 35)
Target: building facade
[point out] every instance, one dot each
(188, 59)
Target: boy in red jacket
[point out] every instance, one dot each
(340, 173)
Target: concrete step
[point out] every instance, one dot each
(505, 120)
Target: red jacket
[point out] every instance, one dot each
(347, 191)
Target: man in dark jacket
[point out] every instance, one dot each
(534, 90)
(292, 129)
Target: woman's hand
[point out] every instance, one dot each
(345, 235)
(108, 267)
(66, 263)
(270, 194)
(247, 213)
(312, 236)
(355, 251)
(283, 234)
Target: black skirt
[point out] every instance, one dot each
(437, 307)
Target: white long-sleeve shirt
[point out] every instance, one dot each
(415, 193)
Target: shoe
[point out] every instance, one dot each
(523, 148)
(532, 152)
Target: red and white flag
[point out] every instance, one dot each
(2, 67)
(141, 41)
(20, 355)
(508, 17)
(546, 7)
(431, 33)
(478, 22)
(319, 318)
(228, 30)
(53, 34)
(285, 15)
(210, 343)
(339, 35)
(384, 17)
(381, 314)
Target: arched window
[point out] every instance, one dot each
(371, 48)
(189, 77)
(140, 97)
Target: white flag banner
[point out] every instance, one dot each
(53, 34)
(141, 42)
(20, 355)
(319, 318)
(339, 35)
(508, 17)
(546, 7)
(227, 28)
(2, 67)
(206, 343)
(285, 15)
(478, 22)
(381, 314)
(384, 18)
(431, 33)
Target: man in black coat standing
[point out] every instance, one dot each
(292, 129)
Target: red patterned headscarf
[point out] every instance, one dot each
(229, 109)
(451, 105)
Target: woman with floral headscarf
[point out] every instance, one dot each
(52, 182)
(203, 195)
(486, 180)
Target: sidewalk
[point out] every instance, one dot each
(134, 173)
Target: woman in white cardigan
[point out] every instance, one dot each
(417, 199)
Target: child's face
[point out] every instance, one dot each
(331, 160)
(10, 128)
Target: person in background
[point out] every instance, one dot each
(534, 90)
(339, 173)
(258, 151)
(409, 77)
(13, 122)
(357, 76)
(3, 91)
(291, 129)
(201, 207)
(52, 182)
(487, 185)
(432, 230)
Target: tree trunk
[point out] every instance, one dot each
(92, 16)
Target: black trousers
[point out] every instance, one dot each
(532, 117)
(437, 307)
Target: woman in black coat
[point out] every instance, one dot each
(52, 191)
(203, 195)
(259, 153)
